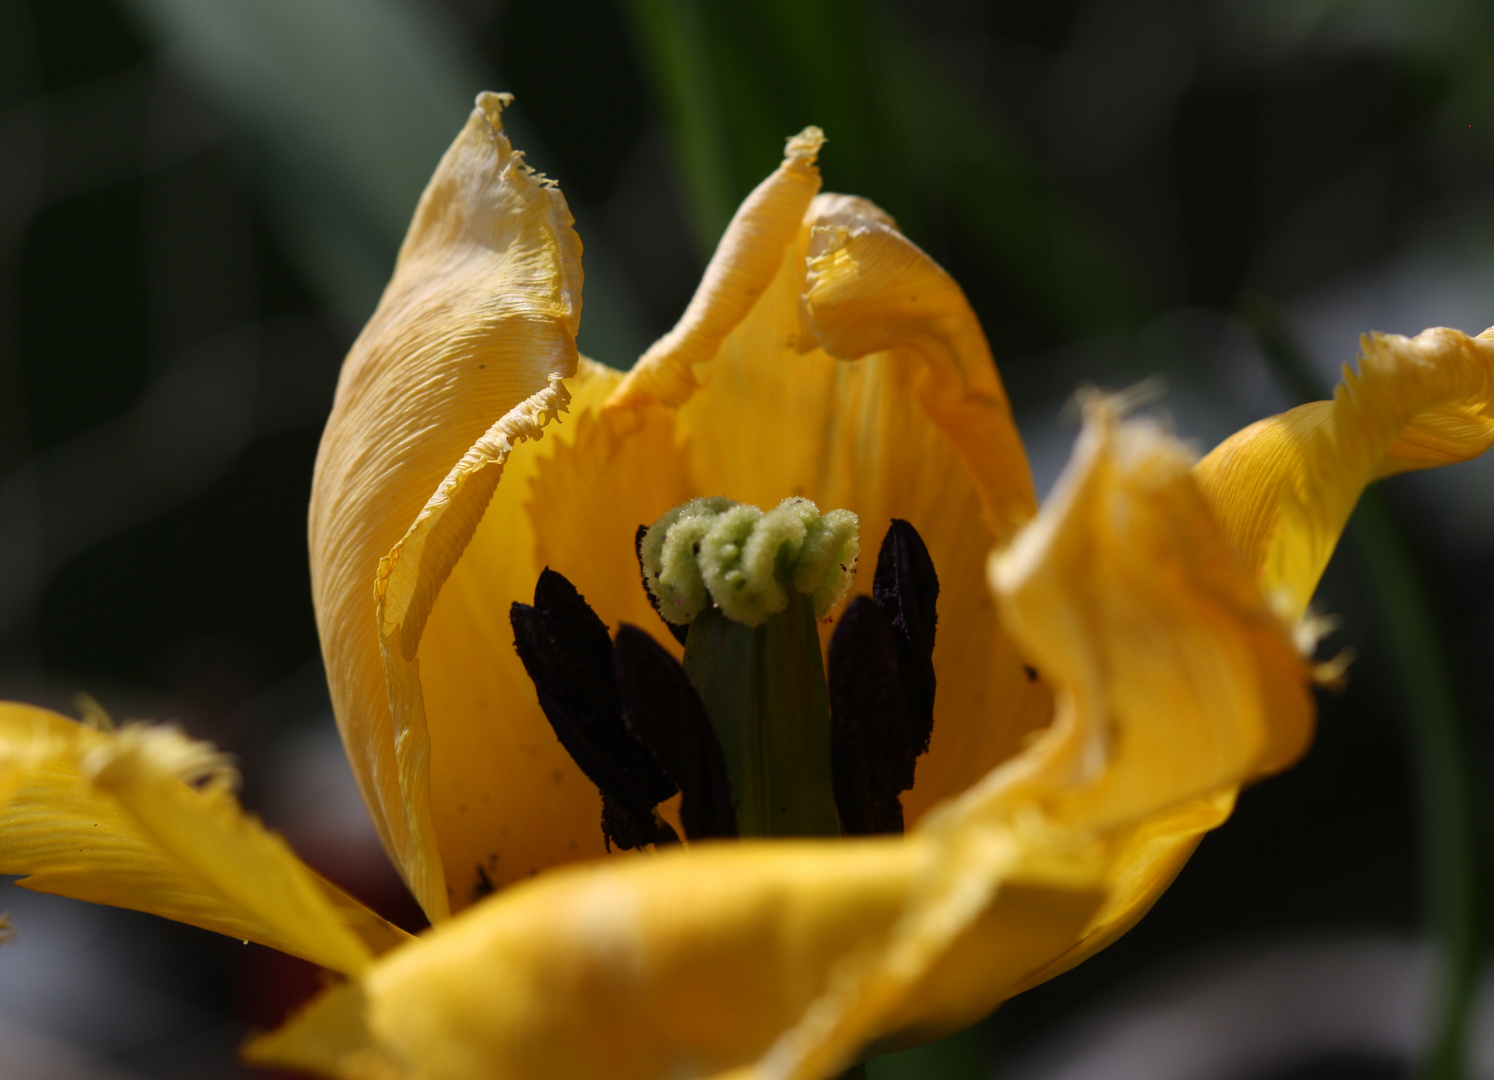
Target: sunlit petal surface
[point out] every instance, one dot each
(917, 427)
(463, 358)
(108, 817)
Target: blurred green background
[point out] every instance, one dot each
(201, 199)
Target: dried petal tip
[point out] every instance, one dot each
(492, 104)
(804, 147)
(744, 561)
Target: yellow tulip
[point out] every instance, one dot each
(1112, 668)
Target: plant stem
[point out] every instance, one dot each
(1446, 806)
(677, 52)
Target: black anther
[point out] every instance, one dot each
(907, 588)
(664, 712)
(881, 685)
(568, 655)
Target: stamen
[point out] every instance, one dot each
(907, 588)
(568, 655)
(664, 712)
(745, 562)
(881, 685)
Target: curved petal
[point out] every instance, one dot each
(687, 964)
(917, 428)
(744, 263)
(506, 798)
(871, 290)
(1148, 857)
(1175, 678)
(108, 817)
(463, 358)
(1284, 488)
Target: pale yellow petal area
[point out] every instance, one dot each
(12, 774)
(27, 739)
(508, 800)
(622, 470)
(109, 817)
(920, 430)
(1284, 487)
(688, 964)
(464, 357)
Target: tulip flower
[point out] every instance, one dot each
(1108, 671)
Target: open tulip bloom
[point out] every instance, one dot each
(741, 865)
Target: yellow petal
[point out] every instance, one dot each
(26, 741)
(1284, 487)
(107, 817)
(1174, 677)
(917, 428)
(589, 497)
(508, 800)
(871, 290)
(463, 358)
(1149, 856)
(686, 964)
(1175, 683)
(745, 262)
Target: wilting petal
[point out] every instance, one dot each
(871, 290)
(1284, 487)
(1175, 679)
(463, 358)
(683, 965)
(917, 428)
(107, 817)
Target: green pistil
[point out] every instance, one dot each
(764, 690)
(752, 587)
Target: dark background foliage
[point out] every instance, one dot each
(200, 199)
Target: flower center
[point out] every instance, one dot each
(747, 730)
(751, 586)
